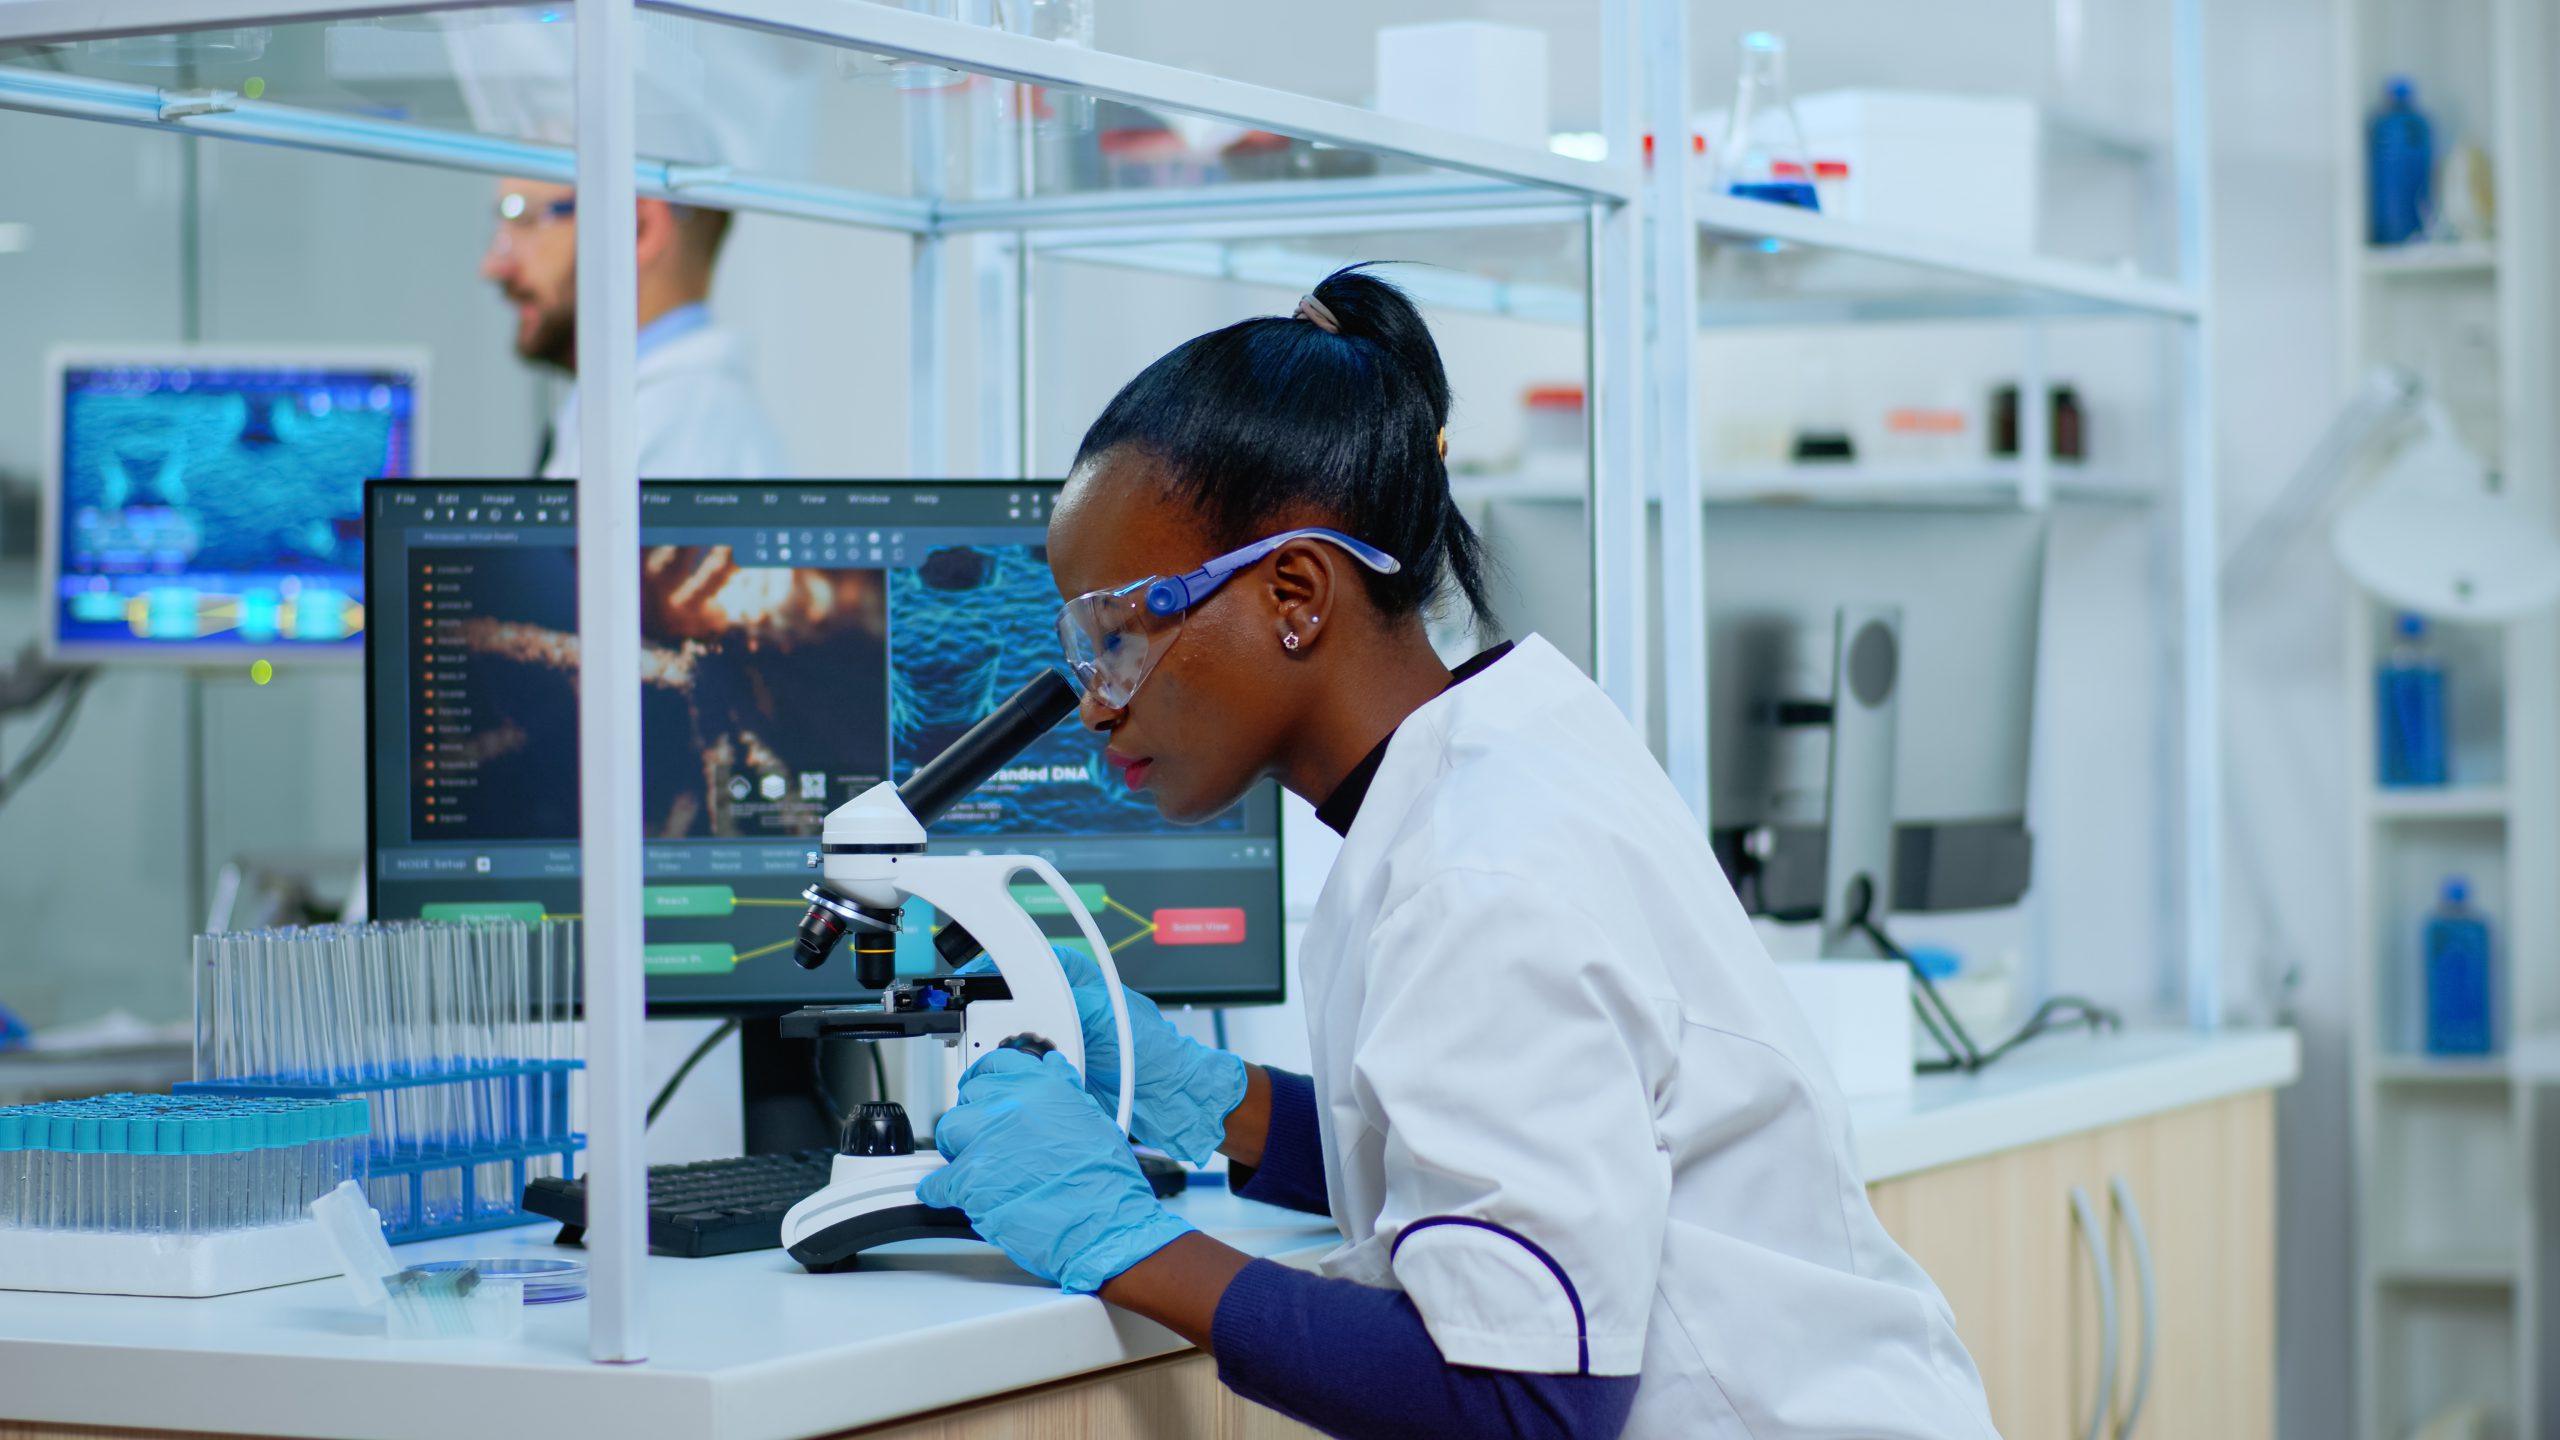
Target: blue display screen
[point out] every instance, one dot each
(220, 507)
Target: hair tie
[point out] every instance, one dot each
(1316, 312)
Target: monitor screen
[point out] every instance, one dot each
(801, 643)
(203, 508)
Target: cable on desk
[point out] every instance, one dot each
(1939, 1018)
(667, 1092)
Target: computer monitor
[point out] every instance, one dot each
(204, 506)
(1968, 586)
(802, 642)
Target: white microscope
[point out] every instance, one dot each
(873, 859)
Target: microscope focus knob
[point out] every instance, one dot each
(877, 1127)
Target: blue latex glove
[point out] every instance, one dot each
(1044, 1175)
(1186, 1089)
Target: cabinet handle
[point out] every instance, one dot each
(2094, 1237)
(2131, 1215)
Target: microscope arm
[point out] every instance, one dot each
(1057, 883)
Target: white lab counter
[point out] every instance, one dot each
(748, 1347)
(2062, 1085)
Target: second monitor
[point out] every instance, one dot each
(801, 642)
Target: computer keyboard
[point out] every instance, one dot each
(721, 1207)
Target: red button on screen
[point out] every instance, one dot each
(1199, 927)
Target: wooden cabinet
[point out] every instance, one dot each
(1177, 1397)
(2002, 1238)
(2005, 1239)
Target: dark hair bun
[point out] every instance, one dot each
(1281, 416)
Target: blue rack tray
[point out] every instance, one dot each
(427, 1191)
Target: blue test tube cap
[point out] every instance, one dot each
(13, 1130)
(112, 1134)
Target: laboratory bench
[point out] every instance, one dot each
(1975, 1174)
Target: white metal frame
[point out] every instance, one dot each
(1641, 418)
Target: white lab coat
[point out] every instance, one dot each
(1568, 1106)
(698, 414)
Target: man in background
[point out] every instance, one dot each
(698, 415)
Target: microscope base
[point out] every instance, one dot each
(870, 1200)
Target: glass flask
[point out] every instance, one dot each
(1762, 153)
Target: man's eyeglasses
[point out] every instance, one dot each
(519, 210)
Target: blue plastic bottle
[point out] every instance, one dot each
(2458, 1001)
(2409, 723)
(2401, 165)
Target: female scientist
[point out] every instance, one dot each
(1591, 1174)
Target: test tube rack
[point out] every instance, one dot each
(457, 1034)
(172, 1194)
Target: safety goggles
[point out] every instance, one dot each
(1113, 638)
(519, 215)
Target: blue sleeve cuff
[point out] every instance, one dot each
(1356, 1362)
(1291, 1174)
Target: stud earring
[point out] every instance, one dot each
(1289, 641)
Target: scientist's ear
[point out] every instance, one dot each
(1307, 577)
(658, 232)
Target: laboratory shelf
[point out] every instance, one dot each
(1989, 485)
(1979, 485)
(2440, 1069)
(2485, 1270)
(1087, 220)
(1894, 283)
(2535, 1059)
(981, 50)
(1474, 281)
(2485, 802)
(2469, 257)
(1821, 273)
(888, 31)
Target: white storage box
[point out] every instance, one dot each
(1966, 167)
(1860, 1014)
(1470, 75)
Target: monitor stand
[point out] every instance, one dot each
(1857, 886)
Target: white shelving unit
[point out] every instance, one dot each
(1642, 426)
(2453, 1153)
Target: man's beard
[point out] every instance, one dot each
(554, 340)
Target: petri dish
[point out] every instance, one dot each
(546, 1282)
